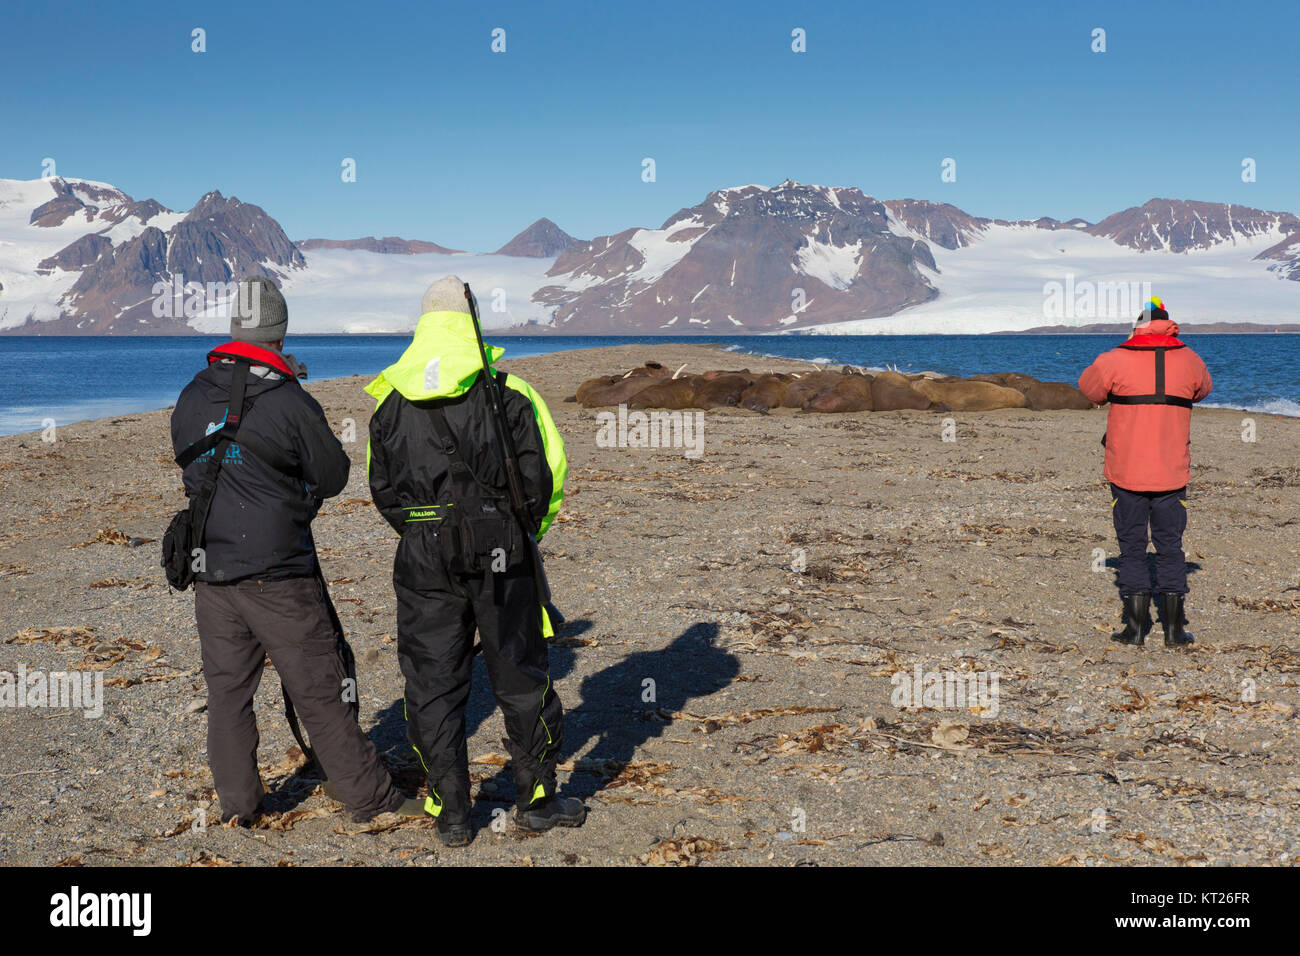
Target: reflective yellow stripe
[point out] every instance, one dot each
(552, 447)
(539, 793)
(413, 747)
(430, 807)
(1112, 504)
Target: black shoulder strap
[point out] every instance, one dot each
(1158, 397)
(208, 488)
(230, 431)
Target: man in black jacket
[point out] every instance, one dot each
(437, 477)
(259, 589)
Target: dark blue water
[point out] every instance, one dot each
(75, 378)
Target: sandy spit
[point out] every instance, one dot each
(741, 624)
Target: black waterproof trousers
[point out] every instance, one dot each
(436, 621)
(1164, 514)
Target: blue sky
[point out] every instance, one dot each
(463, 146)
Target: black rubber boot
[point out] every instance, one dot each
(1137, 620)
(551, 812)
(1175, 620)
(454, 834)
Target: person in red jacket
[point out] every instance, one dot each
(1151, 383)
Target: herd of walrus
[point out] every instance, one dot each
(847, 390)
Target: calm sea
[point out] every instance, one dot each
(69, 379)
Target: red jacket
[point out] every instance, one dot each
(1148, 428)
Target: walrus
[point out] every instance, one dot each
(897, 379)
(807, 387)
(852, 393)
(968, 396)
(721, 390)
(612, 389)
(652, 369)
(889, 396)
(667, 393)
(1055, 395)
(767, 392)
(1009, 379)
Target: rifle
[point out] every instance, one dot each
(514, 477)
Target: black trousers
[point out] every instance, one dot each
(239, 625)
(436, 621)
(1164, 515)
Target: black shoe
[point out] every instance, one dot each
(551, 812)
(1137, 620)
(1175, 620)
(454, 834)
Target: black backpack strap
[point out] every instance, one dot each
(208, 489)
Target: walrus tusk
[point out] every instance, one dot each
(629, 372)
(679, 371)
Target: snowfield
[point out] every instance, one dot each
(348, 291)
(997, 284)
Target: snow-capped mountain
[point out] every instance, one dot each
(745, 259)
(733, 263)
(79, 256)
(1176, 225)
(101, 258)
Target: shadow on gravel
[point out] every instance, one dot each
(614, 713)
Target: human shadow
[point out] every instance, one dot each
(631, 702)
(623, 706)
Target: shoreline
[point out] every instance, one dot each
(1269, 407)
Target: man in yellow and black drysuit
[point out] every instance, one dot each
(438, 476)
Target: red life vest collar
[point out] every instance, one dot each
(254, 354)
(1149, 341)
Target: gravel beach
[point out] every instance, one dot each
(745, 630)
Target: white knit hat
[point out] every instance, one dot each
(445, 295)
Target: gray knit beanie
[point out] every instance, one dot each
(445, 295)
(258, 312)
